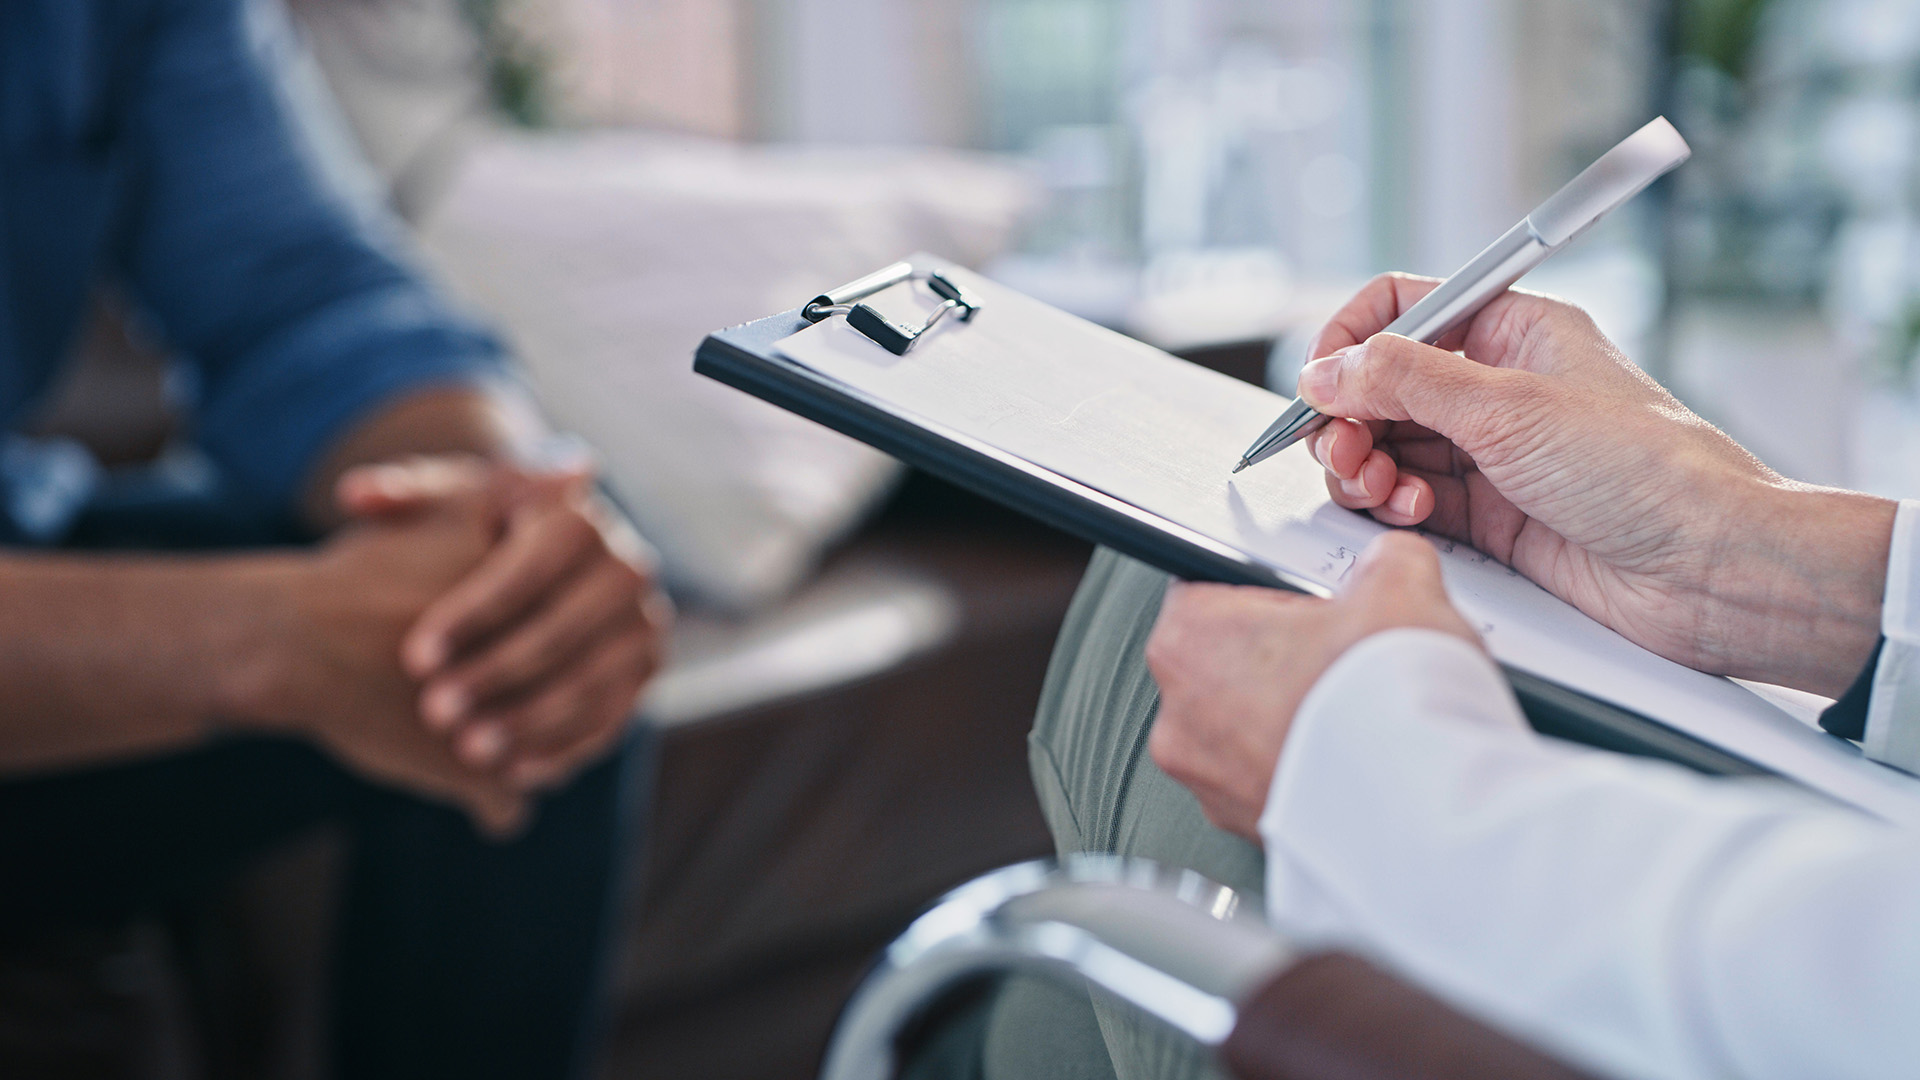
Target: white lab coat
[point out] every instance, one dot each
(1635, 918)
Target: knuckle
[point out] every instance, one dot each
(653, 656)
(519, 659)
(1401, 545)
(654, 646)
(626, 580)
(1381, 568)
(1160, 647)
(619, 715)
(1163, 644)
(635, 668)
(1218, 807)
(544, 713)
(642, 563)
(1166, 744)
(658, 609)
(477, 606)
(548, 524)
(618, 646)
(519, 662)
(1408, 556)
(1167, 652)
(1362, 370)
(1191, 615)
(623, 697)
(575, 529)
(550, 712)
(1566, 315)
(1386, 283)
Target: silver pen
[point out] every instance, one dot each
(1619, 175)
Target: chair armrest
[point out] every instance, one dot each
(1179, 949)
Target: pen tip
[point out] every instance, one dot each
(1243, 464)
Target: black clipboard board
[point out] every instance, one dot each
(745, 357)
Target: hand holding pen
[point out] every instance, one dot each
(1529, 436)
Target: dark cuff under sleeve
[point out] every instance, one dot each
(1847, 717)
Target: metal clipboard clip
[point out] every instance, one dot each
(886, 333)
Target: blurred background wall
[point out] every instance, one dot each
(1220, 169)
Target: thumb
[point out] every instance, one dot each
(1399, 566)
(1389, 377)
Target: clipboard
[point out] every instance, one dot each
(747, 358)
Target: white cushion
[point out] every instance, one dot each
(607, 256)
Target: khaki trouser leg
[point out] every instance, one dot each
(1101, 792)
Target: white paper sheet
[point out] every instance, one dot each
(1163, 434)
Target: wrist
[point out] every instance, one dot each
(1804, 594)
(258, 685)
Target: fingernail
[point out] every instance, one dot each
(483, 744)
(1404, 501)
(444, 705)
(1325, 442)
(1320, 380)
(1356, 486)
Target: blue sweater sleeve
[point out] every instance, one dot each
(284, 296)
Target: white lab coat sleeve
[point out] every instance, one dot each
(1893, 709)
(1634, 918)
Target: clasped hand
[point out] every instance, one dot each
(476, 633)
(1527, 434)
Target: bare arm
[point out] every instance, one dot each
(117, 655)
(107, 656)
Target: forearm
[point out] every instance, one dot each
(484, 422)
(1628, 915)
(104, 656)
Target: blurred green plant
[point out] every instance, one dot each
(517, 65)
(1720, 33)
